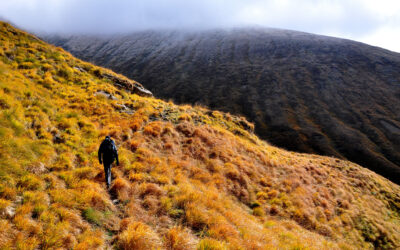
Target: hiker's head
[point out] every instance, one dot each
(108, 137)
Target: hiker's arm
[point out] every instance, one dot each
(99, 154)
(116, 155)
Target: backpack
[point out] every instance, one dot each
(109, 149)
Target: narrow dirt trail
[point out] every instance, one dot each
(113, 226)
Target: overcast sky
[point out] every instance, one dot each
(376, 22)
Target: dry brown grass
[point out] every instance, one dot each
(138, 235)
(179, 238)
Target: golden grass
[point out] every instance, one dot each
(179, 238)
(138, 235)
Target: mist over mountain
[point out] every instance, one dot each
(305, 92)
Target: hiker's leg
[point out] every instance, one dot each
(107, 173)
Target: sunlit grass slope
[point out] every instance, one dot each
(189, 178)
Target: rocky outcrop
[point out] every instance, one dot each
(131, 86)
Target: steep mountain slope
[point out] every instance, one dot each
(189, 178)
(304, 92)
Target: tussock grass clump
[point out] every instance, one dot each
(31, 182)
(122, 188)
(211, 244)
(138, 235)
(179, 238)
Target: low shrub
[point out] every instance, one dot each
(258, 211)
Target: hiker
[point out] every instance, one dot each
(109, 152)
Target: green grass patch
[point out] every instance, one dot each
(93, 216)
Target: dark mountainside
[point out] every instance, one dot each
(304, 92)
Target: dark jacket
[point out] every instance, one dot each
(108, 153)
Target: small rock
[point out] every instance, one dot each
(37, 168)
(18, 199)
(123, 108)
(79, 68)
(105, 94)
(9, 212)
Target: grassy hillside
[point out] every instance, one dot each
(189, 178)
(304, 92)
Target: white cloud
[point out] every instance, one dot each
(371, 21)
(313, 16)
(386, 37)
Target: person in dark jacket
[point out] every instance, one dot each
(107, 154)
